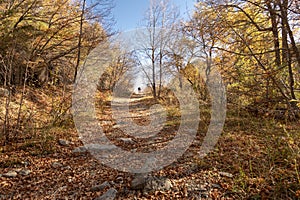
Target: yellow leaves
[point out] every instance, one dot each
(5, 184)
(296, 101)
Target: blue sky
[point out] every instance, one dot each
(129, 13)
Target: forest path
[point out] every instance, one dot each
(136, 123)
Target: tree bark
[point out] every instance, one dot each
(79, 40)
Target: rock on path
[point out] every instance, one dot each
(10, 174)
(109, 195)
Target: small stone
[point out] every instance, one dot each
(138, 182)
(158, 184)
(119, 180)
(10, 174)
(202, 189)
(109, 195)
(100, 187)
(63, 142)
(17, 170)
(116, 126)
(25, 163)
(216, 186)
(126, 140)
(167, 184)
(4, 92)
(25, 172)
(56, 165)
(80, 149)
(226, 174)
(68, 167)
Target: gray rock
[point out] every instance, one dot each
(158, 184)
(100, 187)
(149, 184)
(4, 92)
(25, 172)
(216, 186)
(67, 167)
(80, 149)
(63, 142)
(138, 182)
(99, 147)
(116, 126)
(126, 140)
(202, 189)
(56, 165)
(226, 174)
(18, 170)
(119, 180)
(25, 163)
(10, 174)
(109, 195)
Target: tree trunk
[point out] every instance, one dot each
(273, 17)
(79, 40)
(286, 55)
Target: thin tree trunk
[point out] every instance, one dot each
(153, 74)
(273, 17)
(21, 101)
(153, 57)
(293, 43)
(6, 123)
(286, 56)
(79, 40)
(160, 72)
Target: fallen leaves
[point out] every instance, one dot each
(69, 171)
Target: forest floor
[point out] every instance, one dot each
(255, 158)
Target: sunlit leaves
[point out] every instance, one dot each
(245, 38)
(46, 34)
